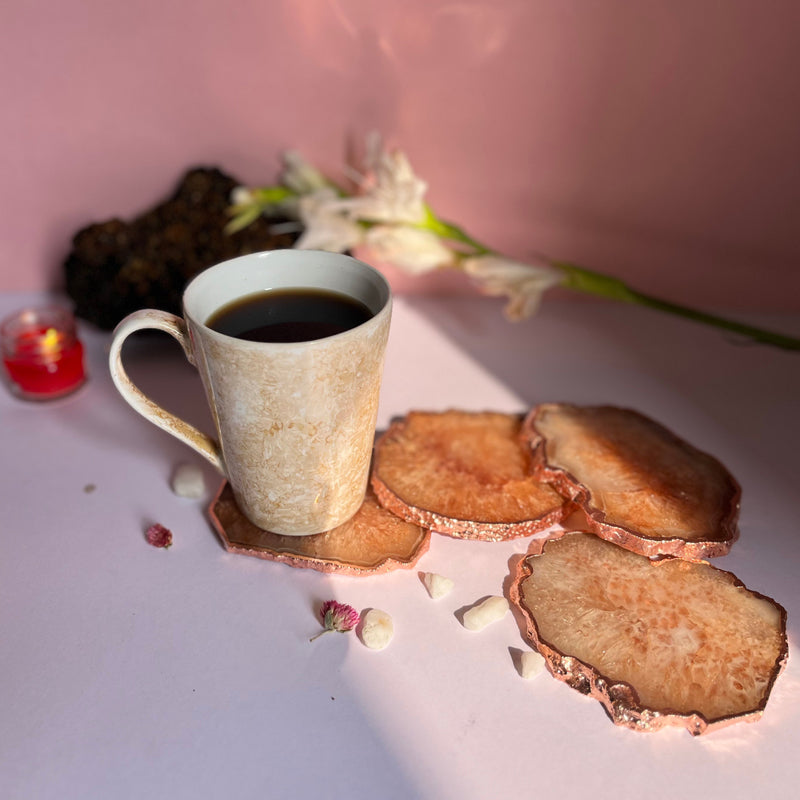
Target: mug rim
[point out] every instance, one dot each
(379, 280)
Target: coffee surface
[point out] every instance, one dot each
(289, 315)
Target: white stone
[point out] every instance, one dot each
(485, 613)
(377, 629)
(188, 481)
(437, 585)
(531, 664)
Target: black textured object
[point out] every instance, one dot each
(117, 267)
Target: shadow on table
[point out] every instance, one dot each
(591, 353)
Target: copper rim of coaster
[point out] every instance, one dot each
(548, 509)
(716, 542)
(620, 699)
(374, 541)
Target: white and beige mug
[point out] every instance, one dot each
(294, 421)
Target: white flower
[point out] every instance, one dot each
(390, 192)
(523, 284)
(242, 196)
(412, 249)
(326, 227)
(300, 176)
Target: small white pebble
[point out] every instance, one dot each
(188, 481)
(485, 613)
(437, 585)
(377, 629)
(531, 664)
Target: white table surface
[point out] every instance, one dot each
(132, 672)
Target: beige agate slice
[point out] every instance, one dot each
(640, 485)
(374, 541)
(465, 474)
(657, 641)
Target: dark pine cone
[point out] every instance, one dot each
(118, 267)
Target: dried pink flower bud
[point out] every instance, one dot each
(337, 617)
(159, 536)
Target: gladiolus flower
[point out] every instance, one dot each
(412, 249)
(326, 227)
(388, 212)
(523, 284)
(300, 176)
(390, 192)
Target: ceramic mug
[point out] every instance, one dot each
(295, 422)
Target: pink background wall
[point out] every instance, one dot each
(656, 139)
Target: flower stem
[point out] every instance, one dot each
(581, 279)
(584, 280)
(264, 200)
(446, 230)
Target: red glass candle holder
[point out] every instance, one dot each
(42, 353)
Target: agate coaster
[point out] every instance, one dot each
(463, 474)
(374, 541)
(659, 642)
(640, 485)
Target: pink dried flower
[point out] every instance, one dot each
(159, 536)
(337, 617)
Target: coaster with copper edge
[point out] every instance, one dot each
(641, 486)
(374, 541)
(659, 642)
(464, 474)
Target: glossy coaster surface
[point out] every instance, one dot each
(372, 542)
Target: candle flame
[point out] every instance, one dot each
(50, 341)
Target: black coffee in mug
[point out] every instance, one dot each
(289, 315)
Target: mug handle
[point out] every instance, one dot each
(175, 327)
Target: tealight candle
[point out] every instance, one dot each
(41, 353)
